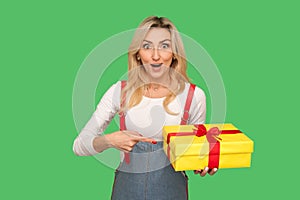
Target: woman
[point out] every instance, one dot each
(154, 95)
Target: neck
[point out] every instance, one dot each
(156, 86)
(162, 82)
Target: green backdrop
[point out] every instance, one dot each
(255, 45)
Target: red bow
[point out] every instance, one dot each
(211, 135)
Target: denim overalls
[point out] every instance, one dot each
(149, 174)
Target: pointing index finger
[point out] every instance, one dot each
(149, 140)
(139, 138)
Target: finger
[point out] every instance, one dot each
(204, 172)
(198, 171)
(138, 137)
(149, 140)
(213, 171)
(128, 149)
(132, 133)
(125, 151)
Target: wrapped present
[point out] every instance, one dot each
(192, 147)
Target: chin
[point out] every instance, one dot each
(157, 76)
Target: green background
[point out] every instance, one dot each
(255, 45)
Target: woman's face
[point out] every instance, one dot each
(156, 53)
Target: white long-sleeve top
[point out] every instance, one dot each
(147, 118)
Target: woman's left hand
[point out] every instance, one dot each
(205, 171)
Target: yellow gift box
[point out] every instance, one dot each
(192, 147)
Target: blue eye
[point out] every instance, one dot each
(146, 46)
(165, 46)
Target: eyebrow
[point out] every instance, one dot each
(159, 42)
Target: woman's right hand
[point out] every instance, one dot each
(125, 140)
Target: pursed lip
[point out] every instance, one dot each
(156, 65)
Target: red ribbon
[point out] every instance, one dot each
(211, 136)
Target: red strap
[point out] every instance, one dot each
(122, 118)
(185, 117)
(122, 102)
(187, 106)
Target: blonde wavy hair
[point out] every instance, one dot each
(137, 76)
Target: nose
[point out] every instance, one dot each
(155, 54)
